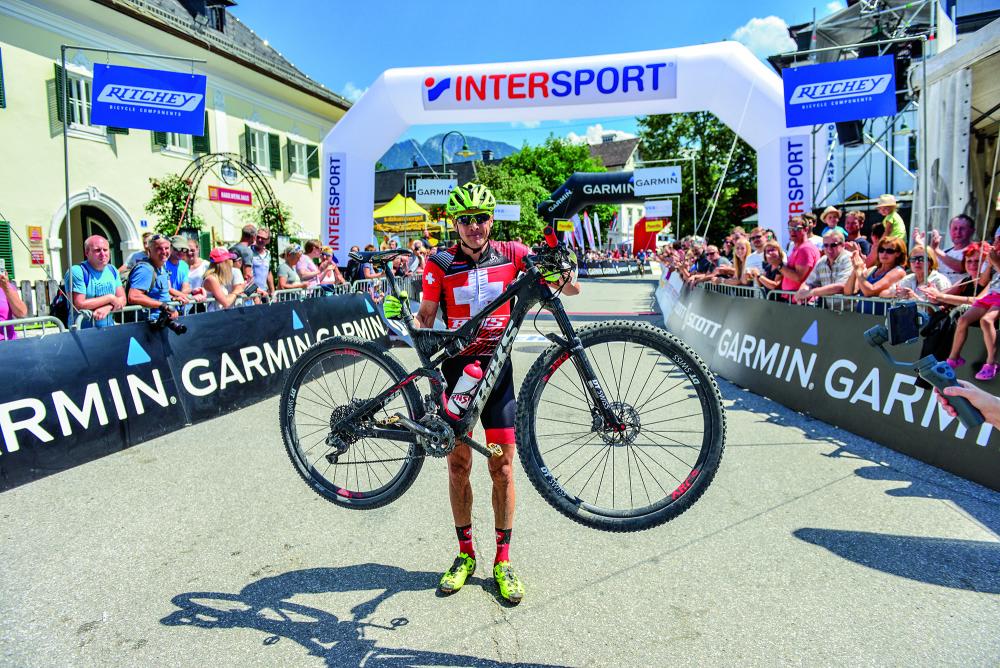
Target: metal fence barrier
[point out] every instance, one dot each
(36, 326)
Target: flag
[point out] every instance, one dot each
(614, 222)
(588, 228)
(597, 230)
(577, 231)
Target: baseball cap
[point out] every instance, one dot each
(179, 243)
(221, 255)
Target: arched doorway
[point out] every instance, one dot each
(91, 212)
(94, 221)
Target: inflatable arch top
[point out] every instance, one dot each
(723, 78)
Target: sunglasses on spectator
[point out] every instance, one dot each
(889, 251)
(756, 237)
(795, 228)
(264, 239)
(469, 219)
(916, 258)
(832, 244)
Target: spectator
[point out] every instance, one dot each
(880, 280)
(288, 277)
(96, 285)
(810, 220)
(774, 259)
(714, 265)
(332, 275)
(853, 222)
(758, 237)
(223, 280)
(247, 238)
(196, 268)
(961, 229)
(878, 231)
(983, 401)
(831, 221)
(367, 271)
(741, 252)
(311, 266)
(893, 222)
(353, 270)
(261, 261)
(419, 259)
(137, 256)
(149, 282)
(831, 272)
(924, 267)
(985, 310)
(803, 257)
(178, 268)
(12, 306)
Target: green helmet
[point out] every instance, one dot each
(470, 197)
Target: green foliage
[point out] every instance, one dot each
(669, 136)
(275, 216)
(170, 194)
(515, 187)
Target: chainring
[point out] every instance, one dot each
(443, 441)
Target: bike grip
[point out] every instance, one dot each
(550, 237)
(941, 375)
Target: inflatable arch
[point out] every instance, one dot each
(723, 78)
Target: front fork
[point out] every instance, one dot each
(601, 406)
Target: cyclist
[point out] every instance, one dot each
(462, 280)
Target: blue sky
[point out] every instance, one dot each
(346, 45)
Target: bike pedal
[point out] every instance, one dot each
(495, 449)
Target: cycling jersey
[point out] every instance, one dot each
(463, 288)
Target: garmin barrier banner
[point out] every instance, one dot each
(77, 396)
(848, 90)
(136, 97)
(817, 362)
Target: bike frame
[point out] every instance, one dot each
(433, 347)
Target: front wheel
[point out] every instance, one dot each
(614, 479)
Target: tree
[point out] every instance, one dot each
(668, 136)
(167, 205)
(515, 187)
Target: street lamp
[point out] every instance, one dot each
(465, 152)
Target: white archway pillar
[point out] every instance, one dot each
(130, 239)
(723, 78)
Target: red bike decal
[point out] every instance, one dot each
(555, 365)
(684, 486)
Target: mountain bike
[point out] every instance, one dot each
(625, 437)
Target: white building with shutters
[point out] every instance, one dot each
(258, 105)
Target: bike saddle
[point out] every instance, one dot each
(379, 257)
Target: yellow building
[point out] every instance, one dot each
(258, 105)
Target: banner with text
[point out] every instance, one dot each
(433, 191)
(847, 90)
(662, 208)
(136, 97)
(657, 181)
(796, 176)
(507, 212)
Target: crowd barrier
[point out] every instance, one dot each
(612, 268)
(84, 393)
(816, 361)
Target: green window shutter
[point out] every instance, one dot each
(313, 159)
(160, 139)
(247, 143)
(60, 93)
(117, 131)
(202, 144)
(6, 250)
(3, 94)
(205, 243)
(274, 152)
(290, 156)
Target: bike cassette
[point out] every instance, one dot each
(443, 441)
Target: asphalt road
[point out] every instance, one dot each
(812, 547)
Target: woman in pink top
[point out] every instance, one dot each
(11, 306)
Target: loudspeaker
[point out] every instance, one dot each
(850, 133)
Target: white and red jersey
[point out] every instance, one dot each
(463, 288)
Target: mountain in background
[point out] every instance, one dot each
(402, 154)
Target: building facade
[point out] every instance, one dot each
(258, 106)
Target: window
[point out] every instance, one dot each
(297, 164)
(179, 143)
(262, 149)
(6, 250)
(77, 88)
(911, 155)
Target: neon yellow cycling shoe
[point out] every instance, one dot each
(507, 582)
(460, 571)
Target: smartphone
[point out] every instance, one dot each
(3, 265)
(903, 324)
(249, 290)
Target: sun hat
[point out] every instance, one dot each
(829, 209)
(179, 243)
(887, 200)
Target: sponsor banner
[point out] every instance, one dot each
(661, 208)
(433, 191)
(77, 396)
(230, 196)
(817, 362)
(796, 176)
(509, 85)
(846, 90)
(657, 181)
(564, 226)
(334, 228)
(35, 238)
(507, 212)
(137, 97)
(654, 225)
(37, 257)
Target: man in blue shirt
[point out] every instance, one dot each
(262, 260)
(176, 266)
(96, 285)
(149, 282)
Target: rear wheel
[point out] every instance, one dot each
(626, 479)
(324, 385)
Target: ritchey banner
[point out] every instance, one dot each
(136, 97)
(848, 90)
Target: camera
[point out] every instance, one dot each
(903, 323)
(163, 321)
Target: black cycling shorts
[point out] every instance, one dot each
(498, 413)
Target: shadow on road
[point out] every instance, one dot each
(959, 564)
(265, 606)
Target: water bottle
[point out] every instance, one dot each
(458, 403)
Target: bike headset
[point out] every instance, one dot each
(469, 198)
